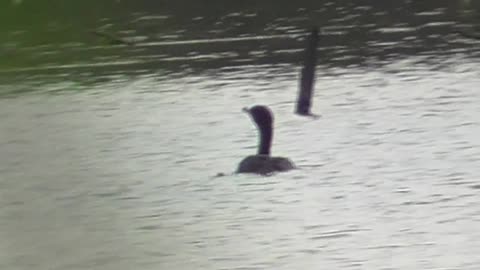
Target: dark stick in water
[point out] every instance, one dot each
(307, 79)
(112, 38)
(468, 34)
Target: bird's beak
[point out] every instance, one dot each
(246, 110)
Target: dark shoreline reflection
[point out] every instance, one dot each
(177, 38)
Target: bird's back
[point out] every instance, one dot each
(263, 164)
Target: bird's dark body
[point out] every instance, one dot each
(262, 162)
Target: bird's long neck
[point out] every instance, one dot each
(266, 134)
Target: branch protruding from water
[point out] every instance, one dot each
(307, 77)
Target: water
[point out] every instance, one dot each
(109, 154)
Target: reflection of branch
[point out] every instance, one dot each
(469, 34)
(113, 39)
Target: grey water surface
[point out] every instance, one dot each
(109, 154)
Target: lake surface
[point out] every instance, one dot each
(109, 153)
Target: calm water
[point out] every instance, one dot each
(108, 153)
